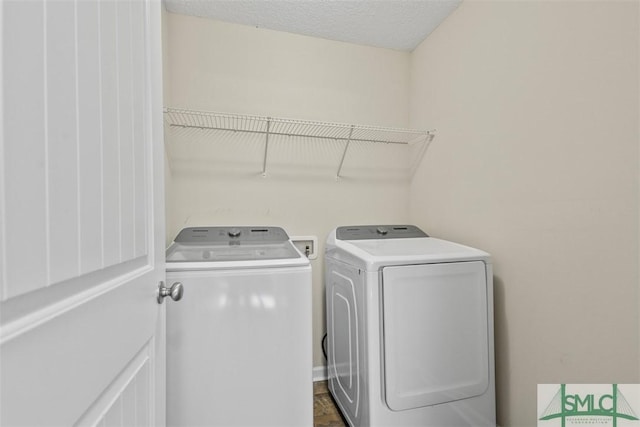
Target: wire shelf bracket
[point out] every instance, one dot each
(266, 148)
(344, 153)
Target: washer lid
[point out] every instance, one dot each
(232, 247)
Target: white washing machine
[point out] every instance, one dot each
(239, 342)
(410, 328)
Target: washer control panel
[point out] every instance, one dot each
(364, 232)
(231, 235)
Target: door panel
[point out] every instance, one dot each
(110, 145)
(81, 205)
(60, 142)
(125, 402)
(75, 181)
(74, 356)
(24, 200)
(90, 151)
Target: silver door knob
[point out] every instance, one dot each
(175, 292)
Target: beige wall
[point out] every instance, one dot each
(536, 161)
(237, 69)
(232, 68)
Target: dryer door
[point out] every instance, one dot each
(435, 333)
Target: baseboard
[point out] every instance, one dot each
(320, 373)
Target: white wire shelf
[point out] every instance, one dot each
(270, 127)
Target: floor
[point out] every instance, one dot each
(325, 412)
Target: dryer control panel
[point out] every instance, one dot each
(366, 232)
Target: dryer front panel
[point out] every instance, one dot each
(435, 333)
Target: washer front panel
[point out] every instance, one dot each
(435, 333)
(239, 348)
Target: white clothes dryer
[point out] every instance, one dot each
(239, 346)
(410, 328)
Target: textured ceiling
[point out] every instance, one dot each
(392, 24)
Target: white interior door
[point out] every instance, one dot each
(81, 213)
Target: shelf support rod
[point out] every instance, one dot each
(266, 148)
(344, 153)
